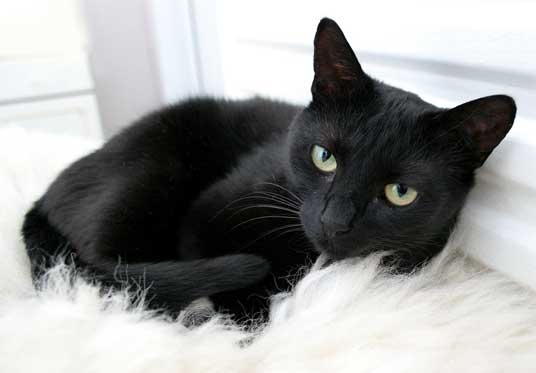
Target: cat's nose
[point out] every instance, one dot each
(337, 216)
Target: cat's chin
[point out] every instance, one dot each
(336, 252)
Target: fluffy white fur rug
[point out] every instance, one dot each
(454, 316)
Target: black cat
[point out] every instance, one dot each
(227, 198)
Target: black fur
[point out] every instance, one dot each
(220, 198)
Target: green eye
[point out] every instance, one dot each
(400, 194)
(323, 159)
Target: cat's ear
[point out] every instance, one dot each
(485, 122)
(337, 71)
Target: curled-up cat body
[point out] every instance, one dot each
(227, 199)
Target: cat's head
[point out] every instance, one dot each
(377, 167)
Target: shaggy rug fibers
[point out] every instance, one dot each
(453, 316)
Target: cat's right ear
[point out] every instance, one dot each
(338, 74)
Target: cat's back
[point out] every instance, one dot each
(189, 144)
(207, 124)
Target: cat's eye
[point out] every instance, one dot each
(323, 159)
(400, 194)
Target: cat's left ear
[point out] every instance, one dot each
(485, 122)
(337, 71)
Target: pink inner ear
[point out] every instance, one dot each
(343, 72)
(483, 134)
(337, 70)
(487, 130)
(333, 62)
(477, 128)
(485, 121)
(330, 88)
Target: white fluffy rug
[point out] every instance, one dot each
(454, 316)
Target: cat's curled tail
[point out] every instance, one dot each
(169, 284)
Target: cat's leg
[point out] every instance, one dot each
(252, 200)
(119, 238)
(231, 213)
(248, 216)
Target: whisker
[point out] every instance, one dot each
(229, 205)
(263, 217)
(295, 230)
(282, 188)
(274, 207)
(294, 202)
(280, 201)
(278, 197)
(247, 197)
(270, 232)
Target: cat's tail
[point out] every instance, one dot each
(44, 243)
(174, 284)
(169, 284)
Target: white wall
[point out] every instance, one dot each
(187, 42)
(146, 53)
(46, 83)
(122, 60)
